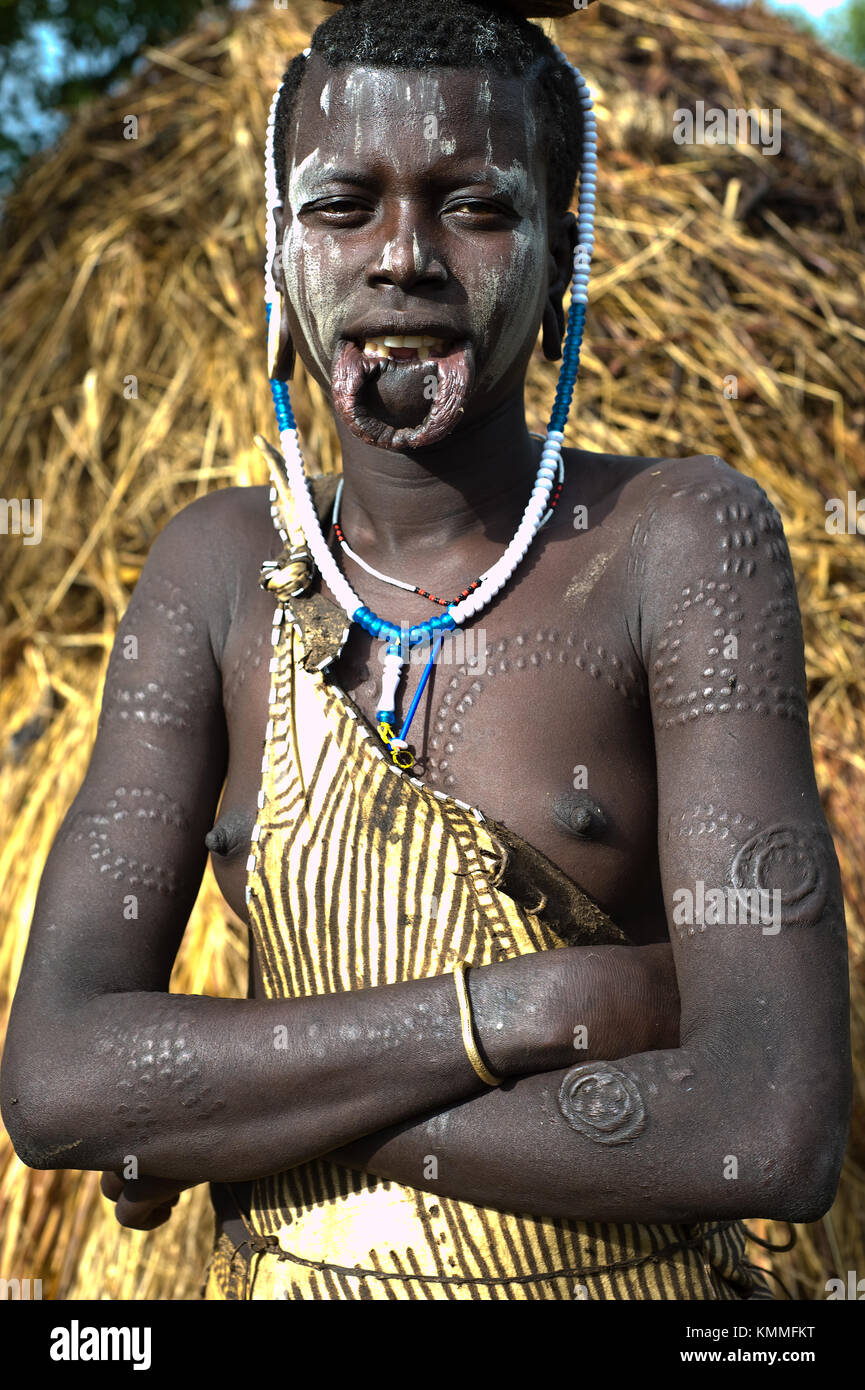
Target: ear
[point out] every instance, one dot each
(563, 244)
(284, 368)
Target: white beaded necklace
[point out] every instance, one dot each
(401, 583)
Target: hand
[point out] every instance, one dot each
(142, 1204)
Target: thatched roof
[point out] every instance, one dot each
(143, 258)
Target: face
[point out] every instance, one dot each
(416, 206)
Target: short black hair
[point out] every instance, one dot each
(450, 34)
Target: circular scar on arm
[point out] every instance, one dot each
(603, 1103)
(793, 861)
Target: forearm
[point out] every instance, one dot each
(660, 1137)
(202, 1089)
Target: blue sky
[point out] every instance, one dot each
(817, 8)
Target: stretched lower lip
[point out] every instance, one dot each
(352, 369)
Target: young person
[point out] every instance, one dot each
(584, 807)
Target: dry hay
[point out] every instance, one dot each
(143, 258)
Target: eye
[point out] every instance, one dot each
(337, 207)
(476, 207)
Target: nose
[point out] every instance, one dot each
(407, 256)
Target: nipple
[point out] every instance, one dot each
(580, 815)
(231, 832)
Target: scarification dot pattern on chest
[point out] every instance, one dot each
(527, 652)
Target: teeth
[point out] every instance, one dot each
(380, 347)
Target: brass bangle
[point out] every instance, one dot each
(466, 1023)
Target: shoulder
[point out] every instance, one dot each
(715, 594)
(665, 509)
(700, 510)
(211, 551)
(704, 544)
(221, 531)
(223, 516)
(672, 490)
(657, 494)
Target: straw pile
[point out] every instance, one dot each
(142, 259)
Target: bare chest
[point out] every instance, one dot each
(536, 714)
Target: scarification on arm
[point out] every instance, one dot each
(158, 616)
(147, 704)
(160, 1066)
(167, 600)
(796, 861)
(603, 1103)
(739, 631)
(111, 834)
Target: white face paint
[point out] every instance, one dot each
(504, 291)
(303, 265)
(516, 283)
(309, 272)
(300, 180)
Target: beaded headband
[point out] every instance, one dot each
(550, 471)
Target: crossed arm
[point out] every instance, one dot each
(748, 1115)
(102, 1062)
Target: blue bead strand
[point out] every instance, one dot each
(413, 636)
